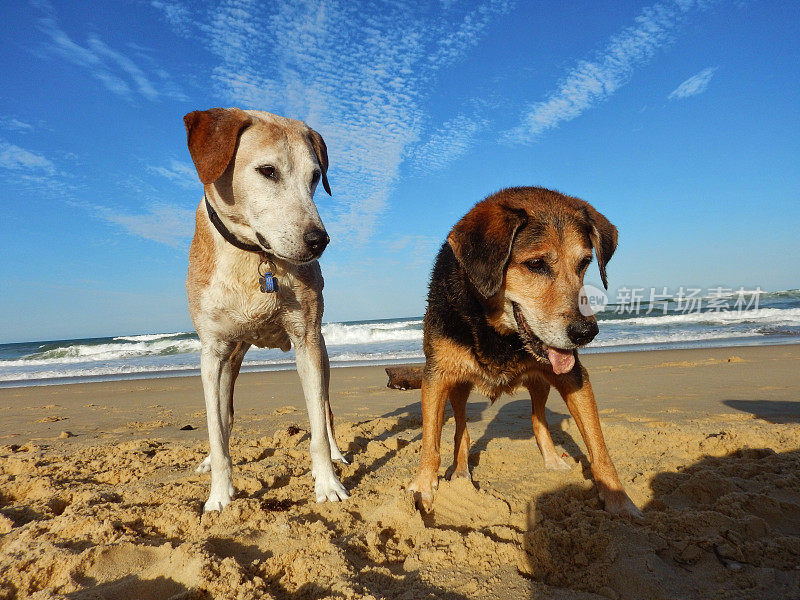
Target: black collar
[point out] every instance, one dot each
(226, 233)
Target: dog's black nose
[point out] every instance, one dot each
(582, 332)
(316, 239)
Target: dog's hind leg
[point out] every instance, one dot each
(539, 389)
(336, 454)
(435, 391)
(576, 390)
(227, 381)
(213, 359)
(310, 366)
(458, 400)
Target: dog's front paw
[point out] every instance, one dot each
(219, 499)
(205, 466)
(617, 502)
(555, 463)
(328, 487)
(423, 487)
(460, 474)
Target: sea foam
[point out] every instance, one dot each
(777, 320)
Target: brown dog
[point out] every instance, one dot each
(503, 312)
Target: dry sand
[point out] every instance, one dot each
(98, 498)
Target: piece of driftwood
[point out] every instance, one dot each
(404, 378)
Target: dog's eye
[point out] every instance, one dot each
(268, 171)
(315, 178)
(537, 265)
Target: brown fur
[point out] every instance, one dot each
(471, 341)
(556, 296)
(212, 136)
(454, 363)
(202, 258)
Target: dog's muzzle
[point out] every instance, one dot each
(561, 361)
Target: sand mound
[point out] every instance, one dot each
(721, 498)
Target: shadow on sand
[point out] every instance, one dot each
(132, 587)
(723, 527)
(773, 411)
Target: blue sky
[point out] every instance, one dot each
(679, 120)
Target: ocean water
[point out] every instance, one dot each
(669, 323)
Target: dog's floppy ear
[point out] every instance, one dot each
(212, 136)
(321, 150)
(603, 236)
(481, 242)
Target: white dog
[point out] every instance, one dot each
(253, 274)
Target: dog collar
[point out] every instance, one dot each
(267, 282)
(227, 234)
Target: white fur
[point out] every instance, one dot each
(281, 211)
(230, 313)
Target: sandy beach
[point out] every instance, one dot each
(99, 499)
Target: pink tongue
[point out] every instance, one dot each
(562, 361)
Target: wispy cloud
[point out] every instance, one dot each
(696, 84)
(176, 14)
(467, 31)
(15, 125)
(417, 250)
(181, 173)
(163, 223)
(112, 58)
(117, 72)
(14, 158)
(449, 142)
(34, 170)
(592, 81)
(357, 73)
